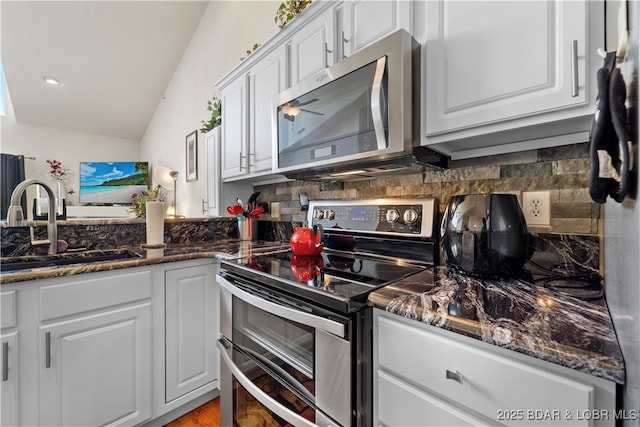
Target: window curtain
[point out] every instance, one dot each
(12, 173)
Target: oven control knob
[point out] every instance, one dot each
(318, 214)
(393, 215)
(410, 216)
(329, 214)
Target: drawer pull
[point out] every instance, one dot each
(456, 376)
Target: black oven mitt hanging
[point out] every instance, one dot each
(617, 98)
(609, 150)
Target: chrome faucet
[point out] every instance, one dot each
(15, 216)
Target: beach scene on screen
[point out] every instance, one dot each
(112, 182)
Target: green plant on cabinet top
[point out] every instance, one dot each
(289, 9)
(215, 107)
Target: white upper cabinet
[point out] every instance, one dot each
(234, 128)
(267, 78)
(342, 29)
(246, 120)
(496, 65)
(365, 21)
(312, 48)
(212, 206)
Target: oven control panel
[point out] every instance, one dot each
(412, 217)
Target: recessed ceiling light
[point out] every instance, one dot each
(51, 81)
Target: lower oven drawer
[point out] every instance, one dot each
(254, 394)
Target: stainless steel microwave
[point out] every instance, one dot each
(357, 118)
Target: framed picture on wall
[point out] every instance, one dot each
(192, 156)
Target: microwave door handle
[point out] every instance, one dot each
(257, 392)
(376, 104)
(311, 320)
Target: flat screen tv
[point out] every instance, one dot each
(112, 183)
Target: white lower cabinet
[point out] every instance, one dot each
(121, 347)
(191, 323)
(94, 349)
(95, 370)
(186, 360)
(9, 360)
(427, 376)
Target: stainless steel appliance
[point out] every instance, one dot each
(358, 118)
(485, 235)
(296, 330)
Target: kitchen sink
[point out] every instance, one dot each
(28, 262)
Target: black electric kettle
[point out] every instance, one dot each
(484, 235)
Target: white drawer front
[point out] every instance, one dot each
(93, 293)
(8, 306)
(489, 384)
(400, 404)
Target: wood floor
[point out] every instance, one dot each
(207, 415)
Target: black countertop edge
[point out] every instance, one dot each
(227, 249)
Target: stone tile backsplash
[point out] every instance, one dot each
(564, 171)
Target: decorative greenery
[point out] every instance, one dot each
(139, 204)
(289, 9)
(250, 51)
(215, 107)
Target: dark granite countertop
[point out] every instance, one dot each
(225, 249)
(513, 314)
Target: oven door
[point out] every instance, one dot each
(283, 360)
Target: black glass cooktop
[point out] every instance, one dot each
(337, 280)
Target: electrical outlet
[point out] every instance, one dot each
(536, 206)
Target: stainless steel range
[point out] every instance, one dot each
(296, 330)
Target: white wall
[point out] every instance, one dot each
(68, 147)
(226, 30)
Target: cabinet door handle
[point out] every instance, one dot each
(205, 206)
(5, 361)
(344, 41)
(456, 376)
(47, 350)
(241, 157)
(326, 54)
(575, 88)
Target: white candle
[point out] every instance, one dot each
(155, 222)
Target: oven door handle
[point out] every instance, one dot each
(317, 322)
(255, 391)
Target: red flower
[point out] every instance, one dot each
(57, 171)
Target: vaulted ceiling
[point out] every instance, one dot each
(114, 60)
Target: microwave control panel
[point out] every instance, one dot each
(380, 216)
